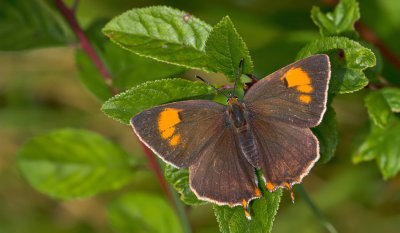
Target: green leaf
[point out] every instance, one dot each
(225, 48)
(263, 211)
(161, 33)
(392, 96)
(339, 22)
(124, 106)
(90, 76)
(142, 212)
(348, 60)
(327, 135)
(179, 178)
(384, 146)
(32, 24)
(127, 69)
(71, 163)
(378, 109)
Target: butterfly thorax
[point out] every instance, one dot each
(239, 119)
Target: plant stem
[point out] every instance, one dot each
(301, 190)
(69, 15)
(159, 174)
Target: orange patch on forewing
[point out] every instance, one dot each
(297, 77)
(305, 98)
(168, 133)
(257, 192)
(167, 120)
(270, 186)
(305, 88)
(175, 140)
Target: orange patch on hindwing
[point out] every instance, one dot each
(297, 77)
(167, 120)
(270, 186)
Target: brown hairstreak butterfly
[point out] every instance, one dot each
(223, 144)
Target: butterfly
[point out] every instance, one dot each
(222, 145)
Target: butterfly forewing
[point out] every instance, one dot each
(176, 132)
(295, 94)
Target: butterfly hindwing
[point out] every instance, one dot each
(176, 132)
(221, 174)
(295, 94)
(287, 152)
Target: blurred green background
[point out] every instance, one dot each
(40, 91)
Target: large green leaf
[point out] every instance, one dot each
(179, 178)
(127, 69)
(327, 135)
(124, 106)
(392, 96)
(71, 163)
(161, 33)
(32, 24)
(382, 144)
(262, 210)
(378, 108)
(142, 213)
(348, 60)
(225, 48)
(340, 21)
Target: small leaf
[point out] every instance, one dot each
(339, 22)
(124, 106)
(327, 135)
(161, 33)
(262, 210)
(392, 96)
(378, 108)
(225, 48)
(32, 24)
(348, 60)
(71, 163)
(90, 76)
(142, 212)
(384, 146)
(179, 178)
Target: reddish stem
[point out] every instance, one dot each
(87, 47)
(84, 42)
(157, 170)
(370, 37)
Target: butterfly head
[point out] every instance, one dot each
(232, 99)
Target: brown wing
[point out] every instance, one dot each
(287, 152)
(178, 131)
(221, 174)
(295, 94)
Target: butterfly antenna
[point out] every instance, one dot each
(209, 84)
(237, 76)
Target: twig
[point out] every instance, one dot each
(369, 36)
(84, 43)
(157, 170)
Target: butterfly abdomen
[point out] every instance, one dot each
(244, 135)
